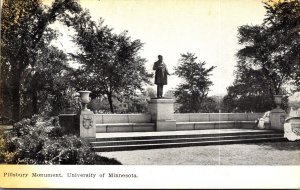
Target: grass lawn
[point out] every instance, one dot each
(279, 153)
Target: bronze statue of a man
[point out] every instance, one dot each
(161, 73)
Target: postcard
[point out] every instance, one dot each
(140, 94)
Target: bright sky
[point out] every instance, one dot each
(207, 28)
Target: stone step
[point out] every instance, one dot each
(152, 140)
(181, 139)
(178, 134)
(184, 144)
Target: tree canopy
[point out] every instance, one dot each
(24, 35)
(269, 60)
(273, 48)
(111, 64)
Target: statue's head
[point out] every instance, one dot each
(160, 57)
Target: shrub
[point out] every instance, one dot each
(33, 141)
(6, 155)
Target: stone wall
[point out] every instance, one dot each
(179, 117)
(122, 118)
(105, 123)
(203, 117)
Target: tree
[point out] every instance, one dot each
(51, 80)
(268, 60)
(24, 26)
(273, 48)
(193, 91)
(249, 92)
(110, 62)
(213, 104)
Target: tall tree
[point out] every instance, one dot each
(273, 48)
(111, 64)
(51, 80)
(268, 61)
(23, 26)
(193, 91)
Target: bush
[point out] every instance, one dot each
(34, 141)
(6, 156)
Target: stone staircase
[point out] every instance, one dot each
(106, 142)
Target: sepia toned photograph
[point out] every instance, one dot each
(171, 83)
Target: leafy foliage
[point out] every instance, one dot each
(24, 36)
(48, 84)
(273, 47)
(249, 92)
(268, 62)
(193, 91)
(33, 141)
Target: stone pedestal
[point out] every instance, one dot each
(87, 124)
(162, 112)
(277, 119)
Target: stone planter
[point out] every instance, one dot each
(85, 99)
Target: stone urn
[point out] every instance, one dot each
(278, 100)
(85, 99)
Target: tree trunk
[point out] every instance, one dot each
(16, 94)
(109, 96)
(34, 96)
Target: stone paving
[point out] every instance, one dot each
(279, 153)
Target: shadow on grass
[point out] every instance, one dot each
(286, 145)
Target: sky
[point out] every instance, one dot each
(207, 28)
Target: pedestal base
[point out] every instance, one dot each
(277, 119)
(167, 125)
(162, 109)
(162, 113)
(87, 124)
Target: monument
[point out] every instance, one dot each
(162, 109)
(161, 75)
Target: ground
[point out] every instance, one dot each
(279, 153)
